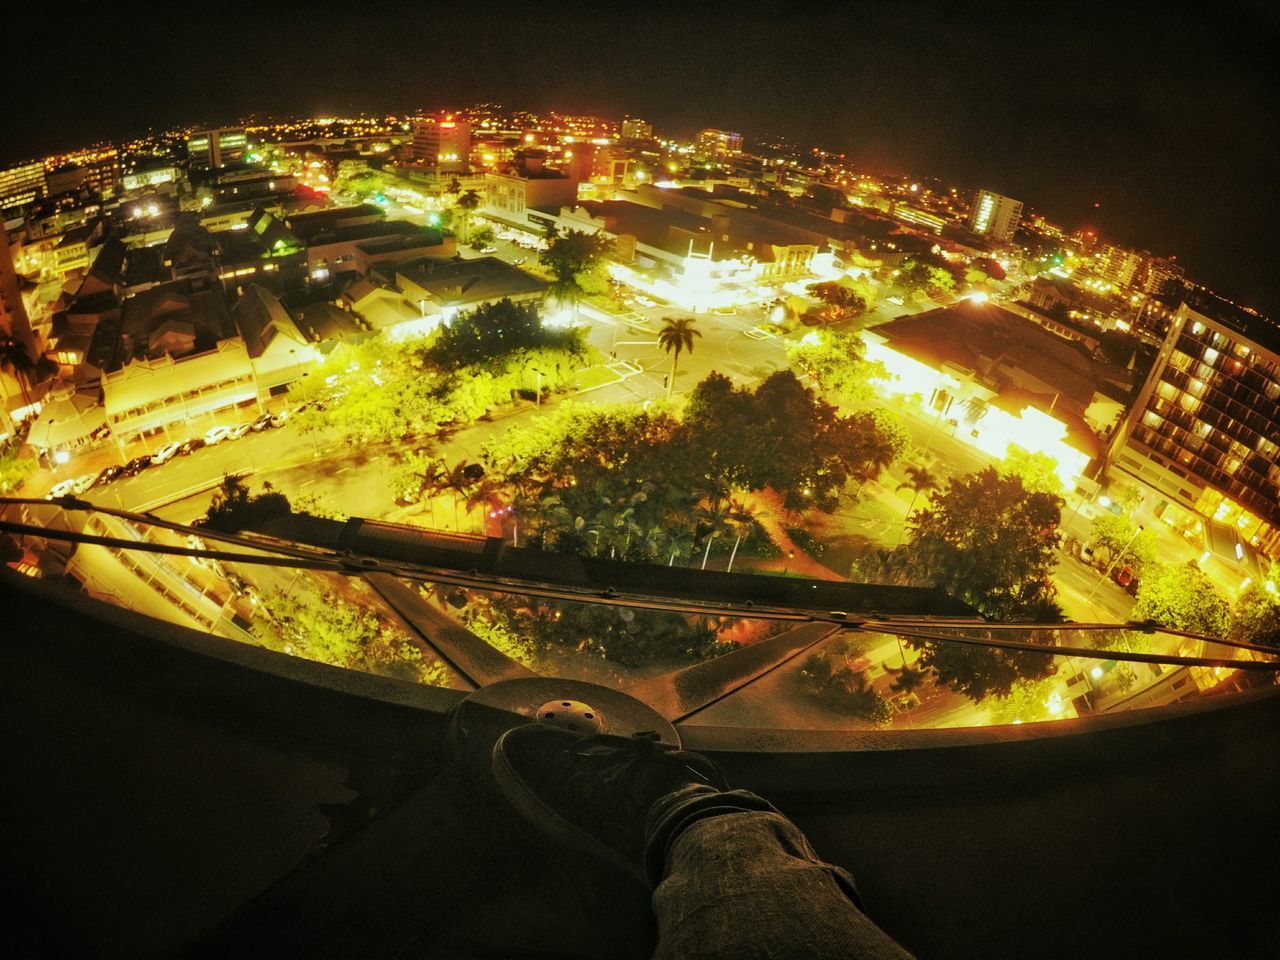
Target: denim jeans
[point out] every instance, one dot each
(734, 878)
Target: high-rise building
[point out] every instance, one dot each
(714, 144)
(210, 149)
(1122, 267)
(995, 216)
(1204, 430)
(633, 128)
(1161, 270)
(21, 184)
(443, 142)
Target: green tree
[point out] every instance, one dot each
(1182, 597)
(464, 208)
(333, 630)
(742, 523)
(829, 681)
(1118, 537)
(576, 262)
(1256, 615)
(675, 336)
(988, 541)
(234, 509)
(14, 469)
(838, 363)
(626, 636)
(1038, 472)
(783, 436)
(1026, 702)
(841, 301)
(919, 480)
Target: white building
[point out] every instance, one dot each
(995, 216)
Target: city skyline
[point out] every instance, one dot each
(1065, 111)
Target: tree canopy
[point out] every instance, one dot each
(838, 363)
(990, 542)
(576, 261)
(1182, 597)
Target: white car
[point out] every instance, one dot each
(60, 489)
(216, 435)
(167, 452)
(82, 483)
(646, 302)
(239, 431)
(894, 300)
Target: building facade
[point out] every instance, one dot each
(995, 216)
(21, 184)
(443, 142)
(1204, 431)
(209, 149)
(712, 144)
(633, 128)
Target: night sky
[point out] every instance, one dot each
(1158, 113)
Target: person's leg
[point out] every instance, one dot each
(734, 878)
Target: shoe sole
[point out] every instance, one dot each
(530, 806)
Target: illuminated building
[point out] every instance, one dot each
(443, 142)
(99, 171)
(209, 149)
(1204, 431)
(21, 184)
(712, 144)
(153, 177)
(995, 216)
(529, 198)
(1161, 271)
(1120, 266)
(634, 128)
(996, 382)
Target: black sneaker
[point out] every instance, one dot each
(594, 792)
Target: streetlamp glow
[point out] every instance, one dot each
(60, 457)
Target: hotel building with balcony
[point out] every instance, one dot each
(1204, 431)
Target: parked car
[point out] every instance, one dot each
(1123, 575)
(137, 465)
(897, 301)
(264, 422)
(279, 419)
(191, 446)
(216, 435)
(60, 489)
(646, 302)
(108, 475)
(238, 431)
(165, 453)
(82, 483)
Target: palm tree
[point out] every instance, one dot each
(675, 336)
(907, 679)
(919, 480)
(459, 482)
(467, 203)
(742, 520)
(715, 515)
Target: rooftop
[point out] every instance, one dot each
(983, 337)
(466, 282)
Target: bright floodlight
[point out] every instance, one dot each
(61, 456)
(977, 296)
